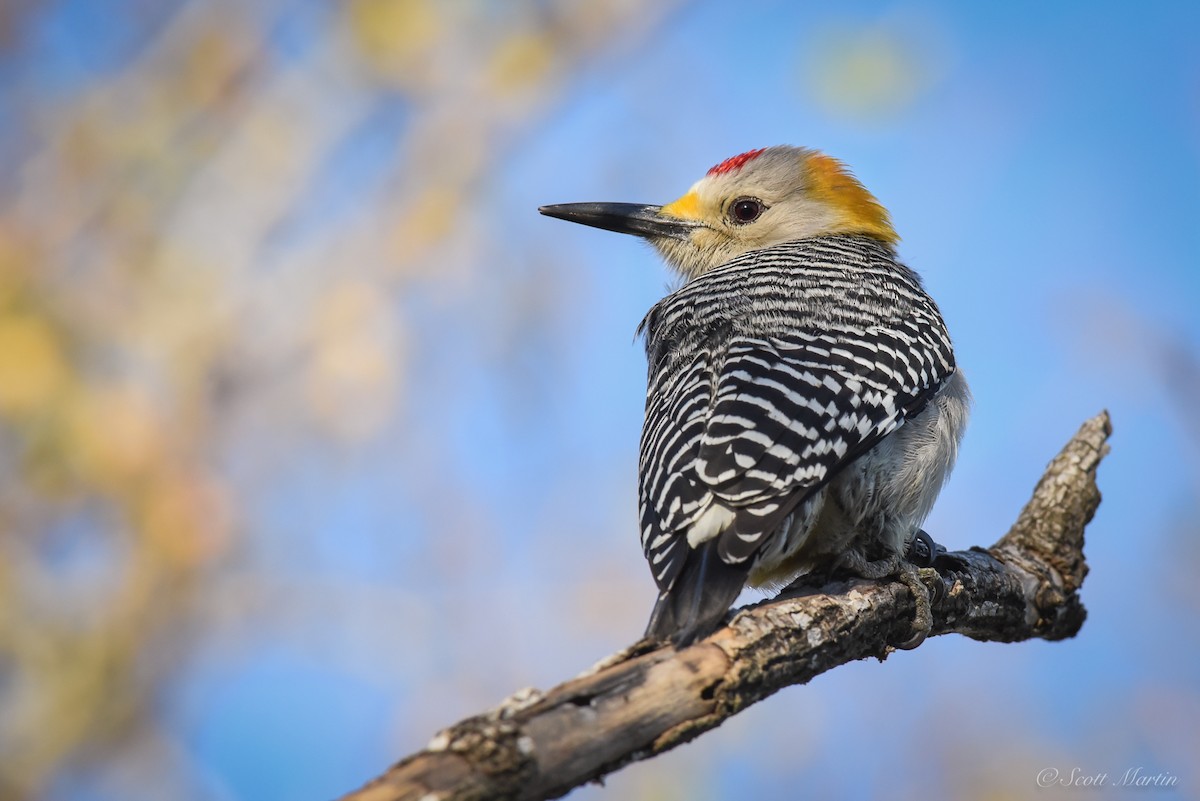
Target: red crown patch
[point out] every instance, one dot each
(736, 162)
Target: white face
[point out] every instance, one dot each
(739, 219)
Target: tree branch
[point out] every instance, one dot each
(647, 699)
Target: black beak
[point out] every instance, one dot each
(624, 218)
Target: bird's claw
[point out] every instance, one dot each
(923, 551)
(923, 618)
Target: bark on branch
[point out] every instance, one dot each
(647, 699)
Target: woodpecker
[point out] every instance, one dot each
(803, 405)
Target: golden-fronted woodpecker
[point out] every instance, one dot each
(803, 407)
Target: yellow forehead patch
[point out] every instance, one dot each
(830, 181)
(687, 207)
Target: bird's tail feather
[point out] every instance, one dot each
(696, 603)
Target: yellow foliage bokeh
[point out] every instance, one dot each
(33, 367)
(116, 436)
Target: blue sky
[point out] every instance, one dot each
(1043, 169)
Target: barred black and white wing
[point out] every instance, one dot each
(768, 376)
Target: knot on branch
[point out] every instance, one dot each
(492, 746)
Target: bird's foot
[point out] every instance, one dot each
(909, 575)
(854, 562)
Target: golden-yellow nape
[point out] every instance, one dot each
(829, 180)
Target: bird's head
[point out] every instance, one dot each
(751, 201)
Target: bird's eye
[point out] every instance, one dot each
(745, 210)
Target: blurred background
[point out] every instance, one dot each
(315, 437)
